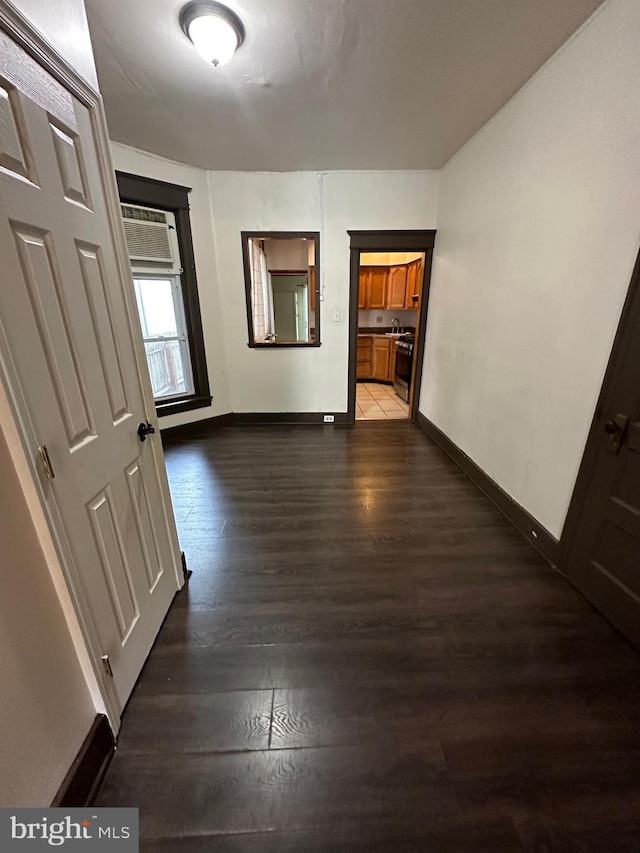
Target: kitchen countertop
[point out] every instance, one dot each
(380, 333)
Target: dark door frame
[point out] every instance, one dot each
(629, 320)
(388, 241)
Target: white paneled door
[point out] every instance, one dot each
(70, 359)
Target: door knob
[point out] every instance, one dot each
(145, 429)
(616, 428)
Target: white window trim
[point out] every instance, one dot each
(182, 336)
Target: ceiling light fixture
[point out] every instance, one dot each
(216, 32)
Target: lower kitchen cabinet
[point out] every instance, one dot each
(364, 356)
(380, 359)
(376, 358)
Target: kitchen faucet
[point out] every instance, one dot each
(397, 326)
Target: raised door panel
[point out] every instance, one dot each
(114, 561)
(42, 281)
(377, 287)
(397, 287)
(15, 154)
(380, 359)
(93, 275)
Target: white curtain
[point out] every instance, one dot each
(260, 292)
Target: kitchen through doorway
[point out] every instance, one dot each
(389, 288)
(389, 280)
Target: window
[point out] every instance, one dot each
(158, 232)
(165, 336)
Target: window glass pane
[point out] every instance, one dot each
(167, 368)
(157, 310)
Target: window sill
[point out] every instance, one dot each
(186, 404)
(282, 344)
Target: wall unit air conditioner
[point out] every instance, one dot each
(148, 235)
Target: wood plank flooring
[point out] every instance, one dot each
(368, 657)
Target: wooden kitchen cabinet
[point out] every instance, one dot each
(362, 290)
(377, 287)
(365, 346)
(391, 288)
(380, 359)
(373, 287)
(397, 287)
(414, 284)
(376, 358)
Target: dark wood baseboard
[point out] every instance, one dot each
(532, 530)
(85, 775)
(310, 418)
(195, 428)
(205, 426)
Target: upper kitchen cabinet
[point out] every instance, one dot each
(414, 284)
(362, 290)
(393, 287)
(377, 287)
(397, 287)
(373, 287)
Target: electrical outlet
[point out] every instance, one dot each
(379, 318)
(329, 419)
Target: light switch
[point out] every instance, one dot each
(335, 315)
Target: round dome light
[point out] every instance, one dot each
(216, 32)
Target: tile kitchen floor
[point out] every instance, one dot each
(375, 402)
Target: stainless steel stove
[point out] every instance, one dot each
(404, 365)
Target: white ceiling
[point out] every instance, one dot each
(322, 84)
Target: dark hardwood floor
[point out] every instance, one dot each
(368, 657)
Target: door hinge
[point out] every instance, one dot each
(106, 663)
(46, 462)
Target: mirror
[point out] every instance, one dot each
(282, 283)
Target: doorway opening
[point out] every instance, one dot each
(389, 286)
(390, 277)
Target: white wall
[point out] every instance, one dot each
(139, 163)
(45, 705)
(49, 697)
(538, 229)
(281, 380)
(287, 254)
(314, 379)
